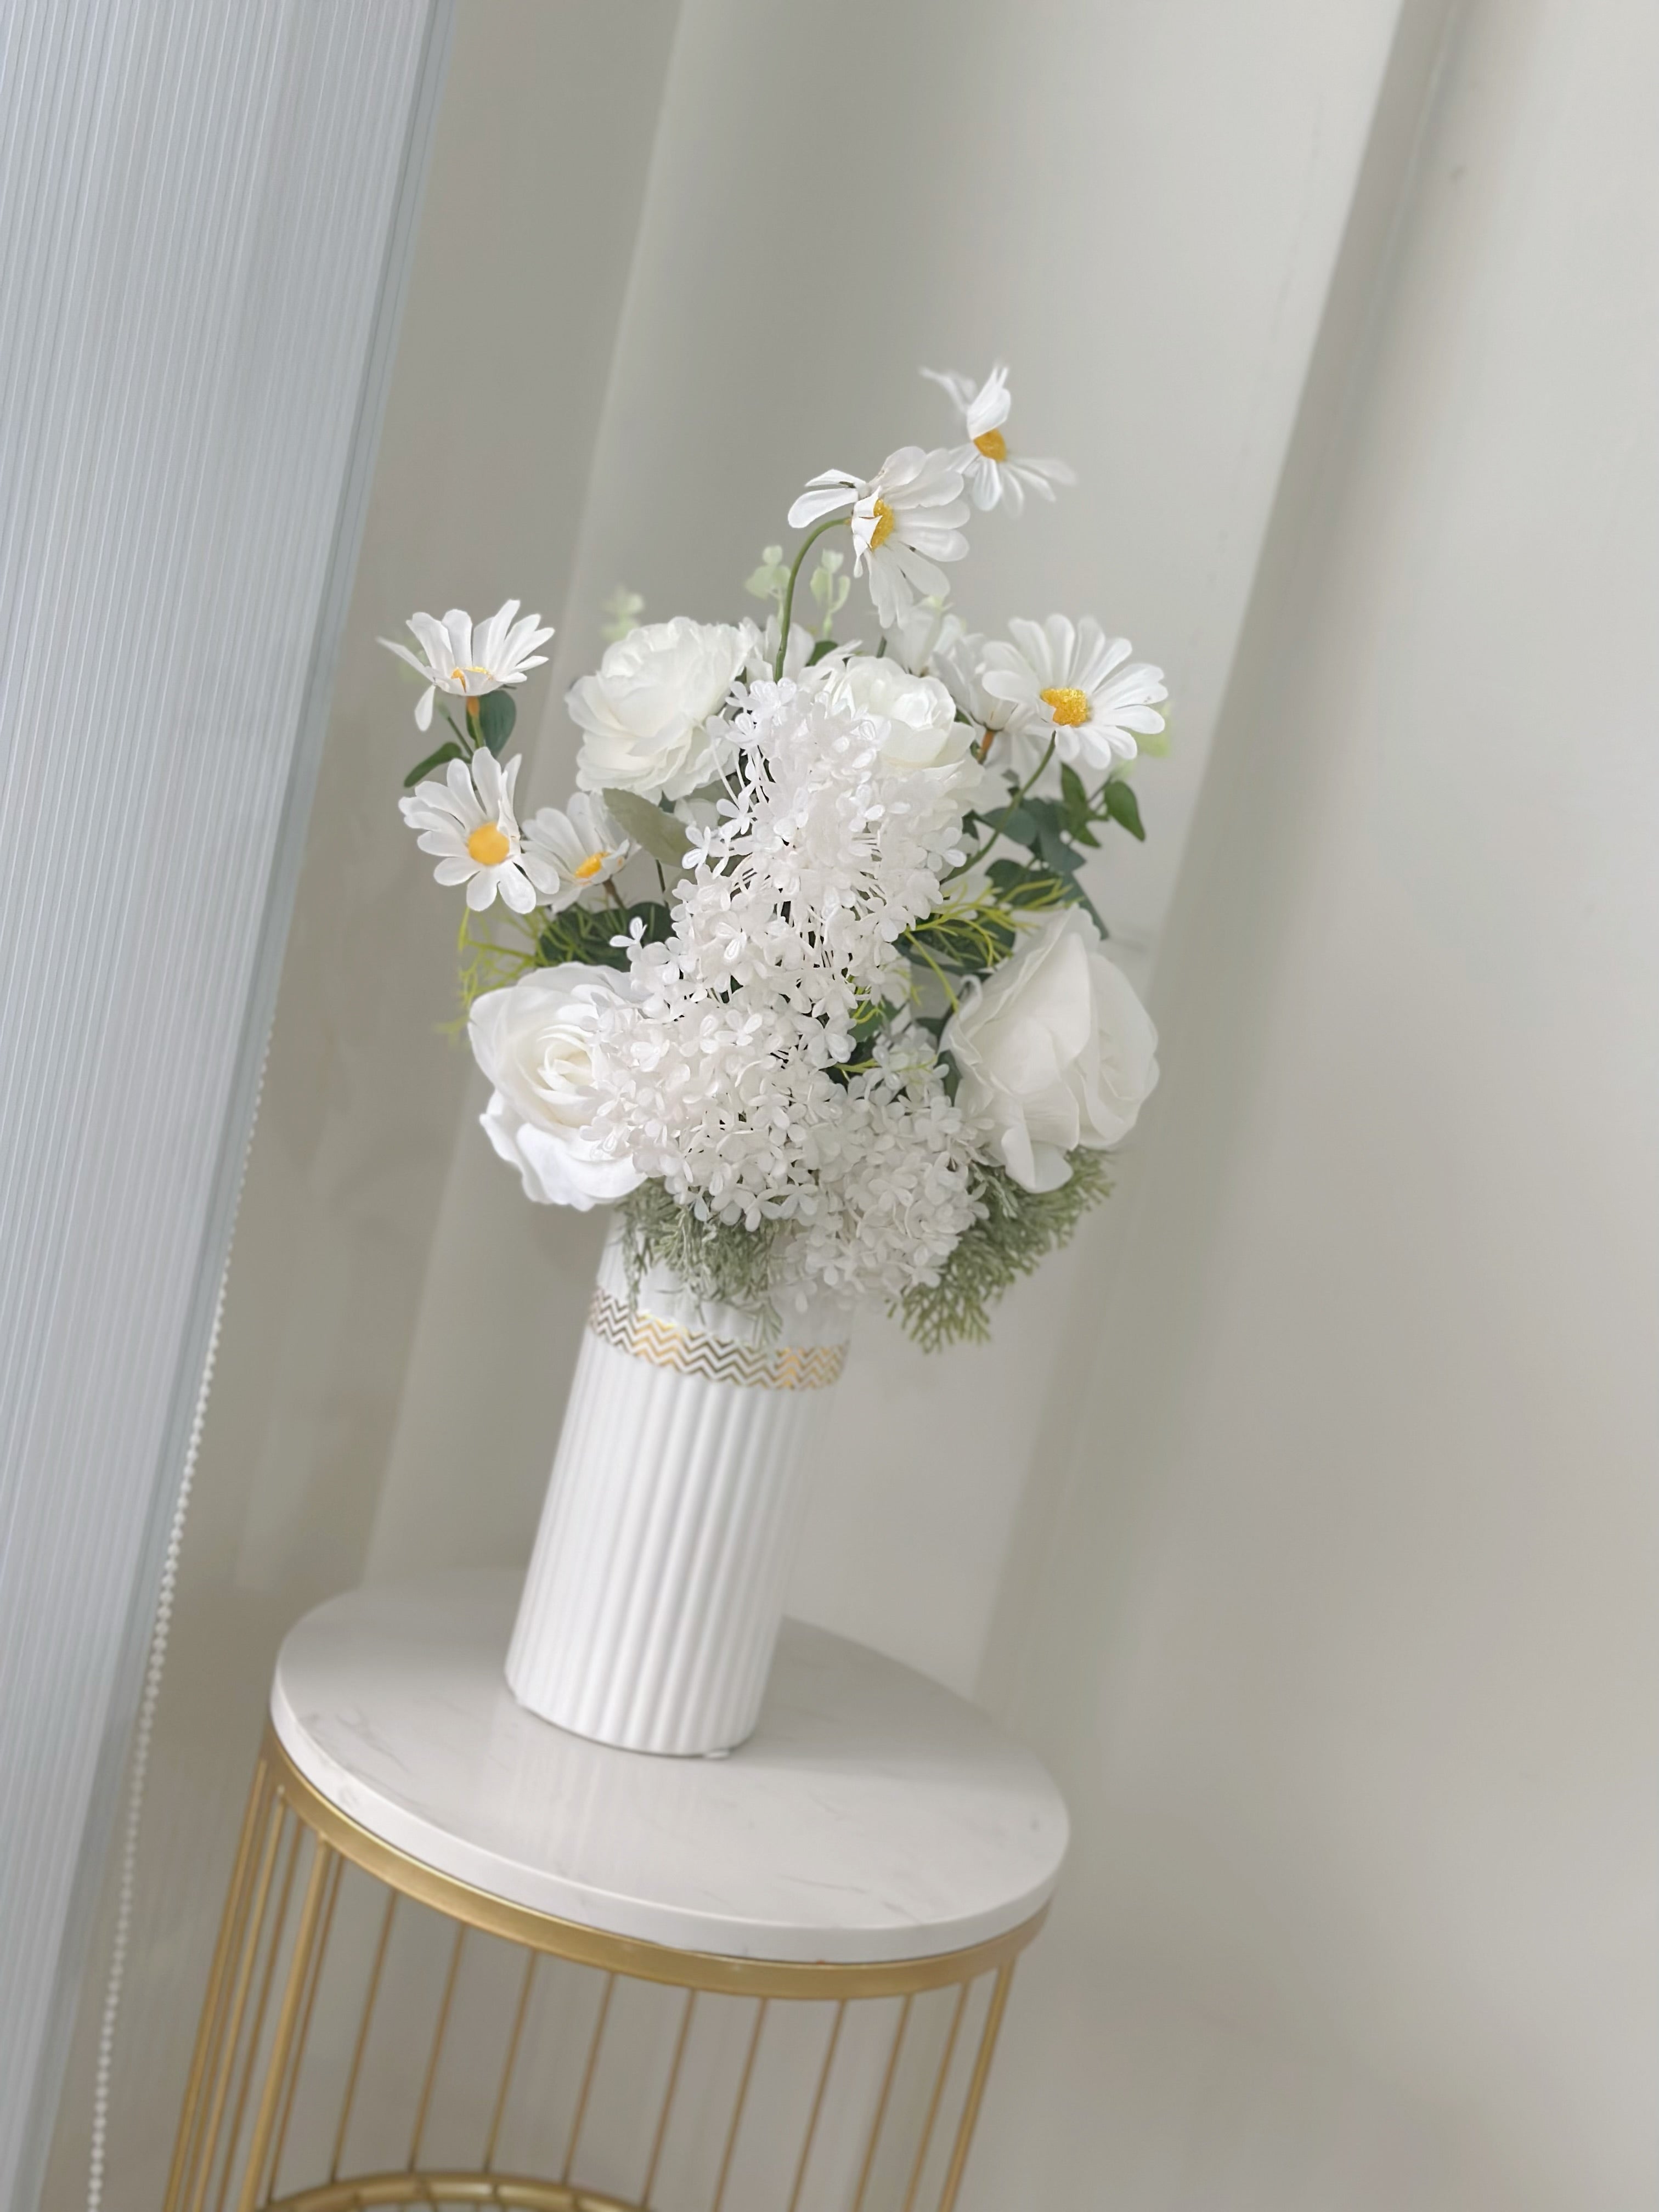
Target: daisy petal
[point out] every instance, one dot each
(515, 888)
(813, 505)
(434, 639)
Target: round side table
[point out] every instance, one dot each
(468, 1958)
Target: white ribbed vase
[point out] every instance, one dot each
(656, 1587)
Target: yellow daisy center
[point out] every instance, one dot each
(1067, 704)
(488, 845)
(883, 529)
(590, 866)
(992, 445)
(459, 675)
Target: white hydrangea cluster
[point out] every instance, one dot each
(732, 1071)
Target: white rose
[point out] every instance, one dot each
(644, 716)
(1054, 1050)
(535, 1042)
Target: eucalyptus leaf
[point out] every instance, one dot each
(645, 824)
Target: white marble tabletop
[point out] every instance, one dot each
(873, 1815)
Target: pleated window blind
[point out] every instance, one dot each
(205, 209)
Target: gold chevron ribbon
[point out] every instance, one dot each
(689, 1352)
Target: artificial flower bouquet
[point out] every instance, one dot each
(803, 978)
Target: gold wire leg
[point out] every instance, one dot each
(489, 2158)
(587, 2076)
(224, 1950)
(263, 1994)
(288, 2014)
(817, 2106)
(743, 2098)
(448, 1998)
(229, 2032)
(881, 2103)
(296, 2060)
(940, 2079)
(355, 2067)
(680, 2041)
(256, 2034)
(987, 2044)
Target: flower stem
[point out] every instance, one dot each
(944, 979)
(974, 859)
(787, 607)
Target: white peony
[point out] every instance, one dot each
(535, 1041)
(922, 729)
(1055, 1051)
(919, 707)
(644, 716)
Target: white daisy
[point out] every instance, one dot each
(958, 661)
(568, 853)
(467, 820)
(1071, 686)
(989, 470)
(904, 519)
(466, 663)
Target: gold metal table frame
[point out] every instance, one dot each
(926, 2029)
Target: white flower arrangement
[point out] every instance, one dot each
(803, 976)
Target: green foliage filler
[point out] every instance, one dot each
(734, 1265)
(714, 1260)
(1017, 1231)
(589, 934)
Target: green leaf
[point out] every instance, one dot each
(445, 752)
(1065, 859)
(1016, 822)
(662, 836)
(1075, 799)
(496, 715)
(1121, 803)
(1027, 883)
(825, 644)
(1050, 837)
(587, 933)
